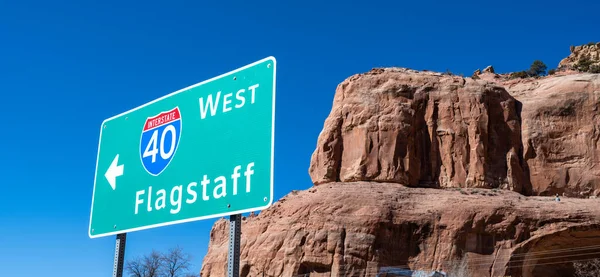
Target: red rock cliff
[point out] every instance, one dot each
(428, 129)
(560, 131)
(421, 129)
(356, 228)
(416, 169)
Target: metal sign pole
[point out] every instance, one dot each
(233, 255)
(119, 255)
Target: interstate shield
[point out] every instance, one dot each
(159, 140)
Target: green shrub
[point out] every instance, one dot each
(584, 64)
(551, 71)
(520, 74)
(537, 68)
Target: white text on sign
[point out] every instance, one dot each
(176, 194)
(227, 104)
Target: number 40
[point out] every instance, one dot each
(152, 150)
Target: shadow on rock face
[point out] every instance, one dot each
(553, 254)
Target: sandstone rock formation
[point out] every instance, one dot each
(415, 169)
(589, 51)
(421, 129)
(561, 132)
(353, 229)
(429, 129)
(488, 69)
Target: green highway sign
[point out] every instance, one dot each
(201, 152)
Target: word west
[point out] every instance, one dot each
(226, 103)
(191, 195)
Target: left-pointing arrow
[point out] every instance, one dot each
(113, 172)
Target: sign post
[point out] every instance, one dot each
(119, 255)
(233, 255)
(201, 152)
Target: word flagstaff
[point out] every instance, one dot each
(176, 197)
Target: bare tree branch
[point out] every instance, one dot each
(146, 266)
(153, 264)
(587, 268)
(176, 262)
(136, 268)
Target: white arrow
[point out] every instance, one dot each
(113, 172)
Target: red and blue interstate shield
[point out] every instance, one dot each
(159, 140)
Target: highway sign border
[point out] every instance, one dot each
(180, 221)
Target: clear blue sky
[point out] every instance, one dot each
(66, 66)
